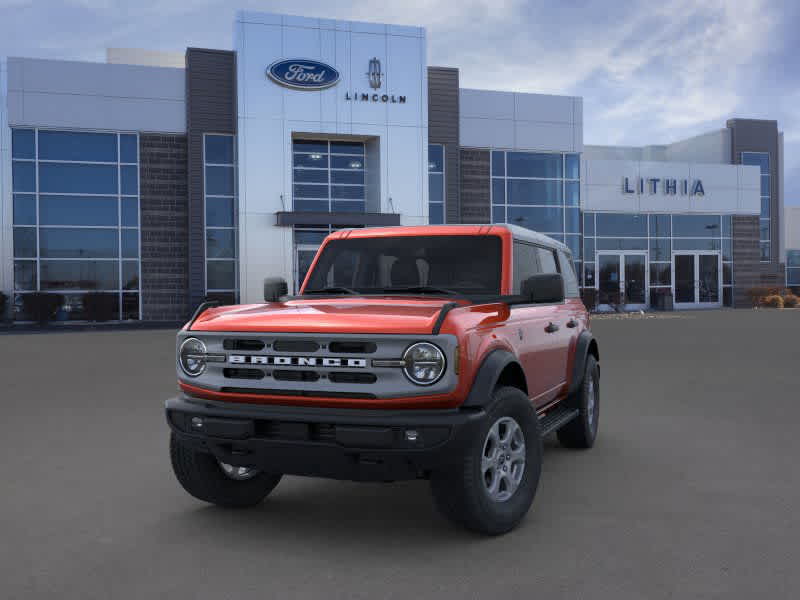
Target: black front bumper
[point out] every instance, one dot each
(361, 445)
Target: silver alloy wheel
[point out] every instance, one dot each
(237, 473)
(503, 459)
(590, 402)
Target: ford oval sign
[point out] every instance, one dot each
(303, 74)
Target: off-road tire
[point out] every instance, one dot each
(460, 493)
(581, 432)
(201, 475)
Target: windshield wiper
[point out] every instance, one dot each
(332, 290)
(421, 289)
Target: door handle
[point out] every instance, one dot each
(551, 327)
(572, 323)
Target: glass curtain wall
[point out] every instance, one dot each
(435, 184)
(793, 268)
(219, 158)
(328, 176)
(761, 160)
(76, 220)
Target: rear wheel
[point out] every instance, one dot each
(581, 432)
(210, 480)
(491, 489)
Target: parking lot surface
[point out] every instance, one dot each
(692, 490)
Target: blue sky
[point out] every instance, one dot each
(649, 72)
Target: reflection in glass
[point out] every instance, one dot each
(80, 275)
(57, 242)
(221, 274)
(77, 210)
(66, 178)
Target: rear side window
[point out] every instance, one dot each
(526, 263)
(547, 260)
(568, 272)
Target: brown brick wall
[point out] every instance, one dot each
(165, 227)
(475, 198)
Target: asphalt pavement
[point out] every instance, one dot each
(692, 490)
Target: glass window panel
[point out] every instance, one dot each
(219, 181)
(221, 274)
(543, 219)
(220, 243)
(436, 213)
(130, 307)
(727, 273)
(559, 237)
(343, 162)
(77, 145)
(77, 210)
(572, 220)
(660, 249)
(765, 185)
(79, 275)
(130, 243)
(727, 226)
(573, 166)
(588, 224)
(77, 179)
(621, 243)
(793, 277)
(23, 143)
(310, 191)
(436, 187)
(588, 274)
(130, 212)
(766, 251)
(219, 212)
(727, 297)
(660, 226)
(128, 148)
(347, 148)
(311, 205)
(498, 163)
(23, 176)
(572, 190)
(358, 177)
(219, 149)
(310, 146)
(435, 158)
(129, 180)
(309, 237)
(660, 274)
(130, 274)
(532, 164)
(312, 175)
(759, 159)
(696, 225)
(25, 242)
(315, 160)
(24, 209)
(765, 207)
(574, 243)
(695, 244)
(348, 206)
(588, 249)
(25, 275)
(498, 191)
(347, 192)
(626, 225)
(793, 258)
(528, 191)
(763, 229)
(56, 242)
(498, 214)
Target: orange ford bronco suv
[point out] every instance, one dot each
(436, 352)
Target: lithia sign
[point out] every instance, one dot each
(306, 74)
(667, 186)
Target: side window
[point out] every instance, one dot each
(570, 279)
(547, 260)
(526, 263)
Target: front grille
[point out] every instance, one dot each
(243, 373)
(304, 393)
(348, 377)
(246, 345)
(295, 346)
(288, 375)
(353, 347)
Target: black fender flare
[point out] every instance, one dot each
(480, 394)
(585, 341)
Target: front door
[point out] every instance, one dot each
(697, 279)
(622, 280)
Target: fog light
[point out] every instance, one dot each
(197, 423)
(411, 435)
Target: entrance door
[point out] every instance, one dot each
(697, 279)
(622, 280)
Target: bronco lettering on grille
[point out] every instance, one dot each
(297, 361)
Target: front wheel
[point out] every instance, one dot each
(491, 489)
(210, 480)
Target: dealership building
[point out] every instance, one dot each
(164, 179)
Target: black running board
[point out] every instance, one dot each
(556, 419)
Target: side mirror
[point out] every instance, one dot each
(543, 288)
(274, 288)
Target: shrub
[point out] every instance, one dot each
(773, 301)
(3, 306)
(99, 306)
(790, 300)
(41, 306)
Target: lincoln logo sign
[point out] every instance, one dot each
(669, 187)
(302, 74)
(297, 361)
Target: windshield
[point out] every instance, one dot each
(466, 265)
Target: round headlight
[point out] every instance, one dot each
(192, 357)
(425, 363)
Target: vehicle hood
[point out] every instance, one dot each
(326, 315)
